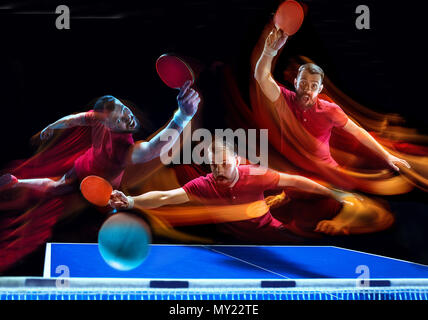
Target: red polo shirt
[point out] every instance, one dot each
(108, 154)
(249, 188)
(318, 120)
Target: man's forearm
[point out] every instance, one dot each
(367, 140)
(263, 67)
(158, 145)
(274, 42)
(163, 141)
(308, 185)
(68, 121)
(149, 200)
(264, 78)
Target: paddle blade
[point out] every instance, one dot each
(173, 71)
(96, 190)
(289, 17)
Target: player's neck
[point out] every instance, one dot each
(307, 107)
(235, 179)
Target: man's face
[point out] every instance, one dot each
(121, 119)
(224, 167)
(308, 86)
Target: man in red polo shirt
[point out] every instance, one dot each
(317, 117)
(111, 147)
(98, 142)
(231, 183)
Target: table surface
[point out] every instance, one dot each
(232, 262)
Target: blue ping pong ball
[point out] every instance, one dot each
(124, 241)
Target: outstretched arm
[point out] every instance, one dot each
(305, 184)
(149, 200)
(72, 120)
(366, 139)
(263, 71)
(188, 101)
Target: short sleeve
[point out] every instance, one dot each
(195, 188)
(90, 118)
(337, 116)
(286, 94)
(264, 178)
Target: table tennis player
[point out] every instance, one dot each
(231, 183)
(112, 146)
(305, 109)
(100, 143)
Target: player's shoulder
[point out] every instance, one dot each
(244, 168)
(199, 185)
(285, 91)
(91, 117)
(289, 96)
(328, 106)
(253, 170)
(203, 180)
(89, 113)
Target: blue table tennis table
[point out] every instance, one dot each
(77, 271)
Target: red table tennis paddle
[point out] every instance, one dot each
(173, 71)
(289, 17)
(96, 190)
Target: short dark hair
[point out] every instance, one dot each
(312, 68)
(105, 103)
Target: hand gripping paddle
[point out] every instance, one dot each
(289, 17)
(96, 190)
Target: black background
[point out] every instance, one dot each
(112, 47)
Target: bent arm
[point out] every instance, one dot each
(188, 101)
(263, 70)
(156, 199)
(264, 77)
(159, 144)
(72, 120)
